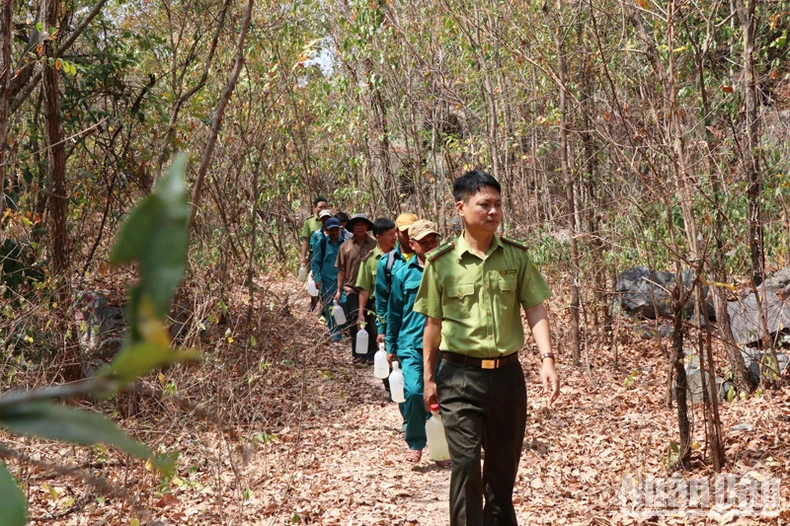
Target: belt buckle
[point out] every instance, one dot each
(488, 364)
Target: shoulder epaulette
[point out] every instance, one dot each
(367, 256)
(513, 242)
(439, 251)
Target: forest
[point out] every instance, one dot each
(158, 362)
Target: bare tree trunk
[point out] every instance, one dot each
(219, 113)
(570, 194)
(708, 380)
(57, 151)
(6, 28)
(681, 385)
(751, 154)
(684, 197)
(58, 203)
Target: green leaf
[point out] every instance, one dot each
(13, 508)
(59, 422)
(156, 235)
(138, 360)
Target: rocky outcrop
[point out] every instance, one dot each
(647, 293)
(746, 320)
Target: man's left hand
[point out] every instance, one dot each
(550, 380)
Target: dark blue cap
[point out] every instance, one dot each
(332, 222)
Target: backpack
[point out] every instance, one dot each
(388, 269)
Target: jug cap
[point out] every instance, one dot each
(434, 408)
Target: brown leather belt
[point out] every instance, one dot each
(493, 363)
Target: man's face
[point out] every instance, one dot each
(322, 205)
(387, 240)
(403, 238)
(482, 212)
(425, 245)
(334, 233)
(360, 229)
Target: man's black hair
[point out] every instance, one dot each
(318, 200)
(342, 217)
(472, 182)
(382, 225)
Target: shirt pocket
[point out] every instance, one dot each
(508, 283)
(460, 299)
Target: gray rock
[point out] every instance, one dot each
(101, 326)
(694, 386)
(747, 326)
(753, 358)
(646, 292)
(779, 282)
(648, 332)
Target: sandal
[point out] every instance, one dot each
(444, 464)
(414, 455)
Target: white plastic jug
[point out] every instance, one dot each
(381, 369)
(311, 288)
(362, 341)
(340, 316)
(396, 384)
(434, 430)
(302, 274)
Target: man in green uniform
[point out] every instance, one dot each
(310, 225)
(405, 331)
(471, 292)
(384, 232)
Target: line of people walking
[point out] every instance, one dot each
(450, 314)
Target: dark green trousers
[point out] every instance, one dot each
(488, 409)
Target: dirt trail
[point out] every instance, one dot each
(350, 462)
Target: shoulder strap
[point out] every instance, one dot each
(323, 244)
(513, 242)
(388, 269)
(440, 251)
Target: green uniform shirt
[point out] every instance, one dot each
(478, 299)
(366, 279)
(310, 225)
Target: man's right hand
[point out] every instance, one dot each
(337, 296)
(430, 395)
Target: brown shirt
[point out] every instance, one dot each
(349, 258)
